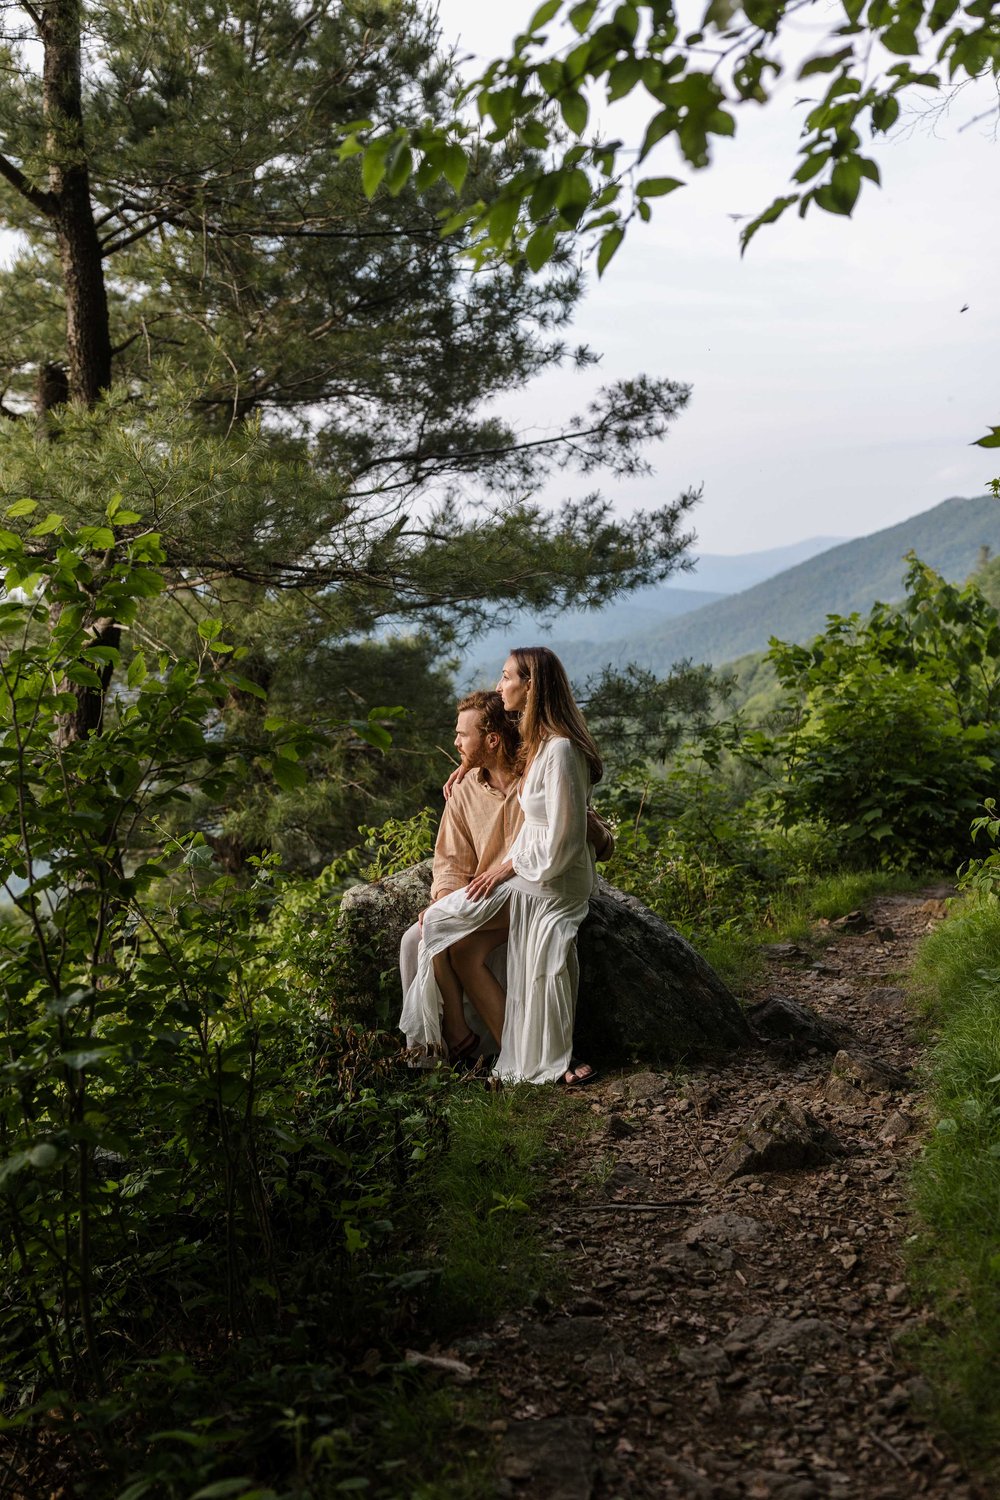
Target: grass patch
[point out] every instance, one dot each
(481, 1192)
(735, 956)
(956, 1252)
(794, 910)
(477, 1233)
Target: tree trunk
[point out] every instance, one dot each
(88, 334)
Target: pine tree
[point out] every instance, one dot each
(288, 380)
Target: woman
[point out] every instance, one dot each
(536, 896)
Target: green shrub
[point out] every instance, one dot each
(893, 733)
(956, 1252)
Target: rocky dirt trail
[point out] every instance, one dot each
(726, 1336)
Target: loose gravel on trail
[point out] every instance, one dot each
(739, 1339)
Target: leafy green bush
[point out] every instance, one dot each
(200, 1170)
(956, 1252)
(894, 736)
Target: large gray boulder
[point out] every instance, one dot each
(644, 991)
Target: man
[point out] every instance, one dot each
(478, 825)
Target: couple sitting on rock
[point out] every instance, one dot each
(513, 873)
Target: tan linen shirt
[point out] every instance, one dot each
(478, 826)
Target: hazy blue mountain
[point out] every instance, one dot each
(634, 613)
(731, 574)
(793, 605)
(713, 577)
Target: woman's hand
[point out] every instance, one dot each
(482, 885)
(459, 774)
(599, 834)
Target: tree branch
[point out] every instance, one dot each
(46, 203)
(110, 245)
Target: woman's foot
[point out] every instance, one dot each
(579, 1075)
(464, 1050)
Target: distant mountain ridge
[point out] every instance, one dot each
(731, 573)
(713, 577)
(794, 604)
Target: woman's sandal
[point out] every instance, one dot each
(572, 1078)
(465, 1051)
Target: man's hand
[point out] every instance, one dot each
(599, 834)
(459, 774)
(482, 885)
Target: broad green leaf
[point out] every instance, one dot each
(901, 39)
(22, 507)
(575, 112)
(398, 168)
(660, 125)
(991, 440)
(455, 166)
(136, 670)
(825, 64)
(85, 1057)
(221, 1489)
(53, 521)
(543, 15)
(657, 187)
(885, 113)
(100, 538)
(582, 15)
(623, 78)
(502, 218)
(209, 629)
(43, 1155)
(539, 248)
(770, 214)
(609, 244)
(289, 774)
(373, 165)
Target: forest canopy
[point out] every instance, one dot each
(291, 381)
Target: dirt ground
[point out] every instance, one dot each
(724, 1340)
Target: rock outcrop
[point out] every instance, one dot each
(644, 991)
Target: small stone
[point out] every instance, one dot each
(751, 1407)
(709, 1359)
(780, 1137)
(726, 1229)
(867, 1073)
(898, 1126)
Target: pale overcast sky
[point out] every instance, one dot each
(837, 383)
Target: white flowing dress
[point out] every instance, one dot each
(548, 893)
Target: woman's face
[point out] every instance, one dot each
(512, 687)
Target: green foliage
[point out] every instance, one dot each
(639, 718)
(206, 1179)
(482, 1192)
(298, 383)
(896, 736)
(597, 183)
(955, 1253)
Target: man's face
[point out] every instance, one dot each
(470, 742)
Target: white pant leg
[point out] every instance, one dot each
(409, 950)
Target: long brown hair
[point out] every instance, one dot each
(550, 708)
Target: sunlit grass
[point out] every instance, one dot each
(795, 909)
(956, 1253)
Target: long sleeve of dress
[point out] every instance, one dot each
(549, 854)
